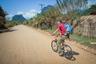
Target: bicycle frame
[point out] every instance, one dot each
(55, 38)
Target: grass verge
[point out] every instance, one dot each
(90, 42)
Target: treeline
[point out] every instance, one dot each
(13, 23)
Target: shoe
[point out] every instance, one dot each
(62, 48)
(61, 53)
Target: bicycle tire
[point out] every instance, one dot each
(52, 46)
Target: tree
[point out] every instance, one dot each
(92, 9)
(66, 6)
(2, 18)
(2, 13)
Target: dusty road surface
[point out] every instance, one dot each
(26, 45)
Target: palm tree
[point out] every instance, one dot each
(70, 5)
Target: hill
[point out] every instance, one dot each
(18, 18)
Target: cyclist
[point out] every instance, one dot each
(62, 30)
(69, 29)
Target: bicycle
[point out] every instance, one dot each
(65, 49)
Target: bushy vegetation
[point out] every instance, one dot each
(2, 18)
(12, 23)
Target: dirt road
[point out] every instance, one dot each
(25, 45)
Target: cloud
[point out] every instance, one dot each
(9, 16)
(28, 14)
(19, 12)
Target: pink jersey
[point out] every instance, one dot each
(61, 28)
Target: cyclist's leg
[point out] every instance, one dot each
(63, 40)
(59, 42)
(68, 35)
(59, 45)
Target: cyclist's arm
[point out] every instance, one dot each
(55, 31)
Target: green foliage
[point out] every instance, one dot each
(70, 5)
(91, 10)
(2, 18)
(13, 23)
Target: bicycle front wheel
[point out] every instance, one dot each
(54, 46)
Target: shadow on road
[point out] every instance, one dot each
(70, 55)
(11, 30)
(7, 30)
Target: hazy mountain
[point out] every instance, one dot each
(18, 18)
(46, 8)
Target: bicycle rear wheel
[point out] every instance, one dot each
(67, 48)
(68, 51)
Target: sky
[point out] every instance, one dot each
(28, 8)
